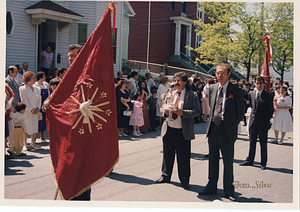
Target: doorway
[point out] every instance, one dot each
(47, 36)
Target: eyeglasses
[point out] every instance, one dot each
(259, 83)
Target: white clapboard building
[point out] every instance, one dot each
(33, 25)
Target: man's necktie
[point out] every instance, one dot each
(174, 115)
(16, 84)
(257, 99)
(218, 110)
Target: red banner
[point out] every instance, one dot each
(82, 119)
(265, 69)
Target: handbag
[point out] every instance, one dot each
(127, 113)
(40, 116)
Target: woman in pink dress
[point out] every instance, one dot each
(143, 89)
(136, 118)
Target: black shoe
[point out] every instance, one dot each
(246, 163)
(206, 156)
(185, 185)
(8, 157)
(231, 198)
(207, 192)
(263, 167)
(22, 154)
(9, 152)
(162, 180)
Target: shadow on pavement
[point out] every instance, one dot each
(197, 156)
(130, 179)
(9, 171)
(14, 163)
(40, 151)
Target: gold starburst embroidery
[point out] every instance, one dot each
(88, 111)
(108, 112)
(99, 126)
(89, 85)
(103, 94)
(81, 131)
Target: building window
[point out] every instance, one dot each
(172, 5)
(183, 7)
(10, 22)
(82, 33)
(114, 43)
(199, 14)
(198, 39)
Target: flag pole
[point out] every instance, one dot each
(55, 196)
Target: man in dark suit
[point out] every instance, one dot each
(226, 111)
(259, 124)
(195, 88)
(12, 72)
(246, 91)
(178, 131)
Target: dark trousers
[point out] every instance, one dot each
(174, 141)
(85, 196)
(217, 141)
(46, 70)
(152, 116)
(255, 131)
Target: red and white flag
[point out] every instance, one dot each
(265, 69)
(82, 119)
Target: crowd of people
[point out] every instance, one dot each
(140, 109)
(25, 93)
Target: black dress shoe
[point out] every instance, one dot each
(263, 167)
(246, 163)
(185, 185)
(22, 154)
(207, 192)
(162, 180)
(231, 198)
(8, 157)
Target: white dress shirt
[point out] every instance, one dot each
(177, 123)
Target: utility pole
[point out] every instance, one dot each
(260, 48)
(148, 44)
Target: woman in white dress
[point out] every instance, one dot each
(44, 92)
(30, 95)
(205, 101)
(282, 119)
(162, 89)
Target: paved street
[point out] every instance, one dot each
(133, 178)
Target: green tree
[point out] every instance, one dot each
(217, 36)
(239, 45)
(282, 38)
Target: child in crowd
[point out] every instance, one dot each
(20, 130)
(136, 118)
(152, 109)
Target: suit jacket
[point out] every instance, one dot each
(246, 98)
(261, 114)
(233, 111)
(190, 109)
(15, 89)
